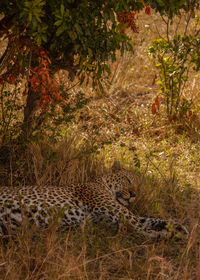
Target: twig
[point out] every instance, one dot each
(156, 168)
(73, 86)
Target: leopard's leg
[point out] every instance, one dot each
(155, 227)
(150, 227)
(160, 228)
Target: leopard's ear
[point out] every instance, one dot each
(116, 165)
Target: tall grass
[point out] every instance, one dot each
(98, 252)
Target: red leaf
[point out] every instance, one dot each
(147, 10)
(153, 109)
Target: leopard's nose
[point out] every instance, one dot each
(132, 194)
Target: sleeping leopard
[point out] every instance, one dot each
(106, 200)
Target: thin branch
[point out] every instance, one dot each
(3, 57)
(156, 168)
(73, 86)
(187, 22)
(177, 26)
(167, 26)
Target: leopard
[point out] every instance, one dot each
(105, 199)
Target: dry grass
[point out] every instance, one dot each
(98, 252)
(42, 163)
(169, 181)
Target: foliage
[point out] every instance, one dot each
(41, 81)
(174, 56)
(87, 29)
(172, 65)
(77, 35)
(173, 7)
(46, 36)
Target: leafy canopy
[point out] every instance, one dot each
(88, 29)
(85, 29)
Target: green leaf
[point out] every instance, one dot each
(44, 38)
(58, 22)
(62, 9)
(66, 13)
(61, 29)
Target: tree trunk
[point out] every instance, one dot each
(30, 120)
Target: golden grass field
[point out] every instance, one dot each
(168, 180)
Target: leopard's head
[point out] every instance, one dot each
(121, 182)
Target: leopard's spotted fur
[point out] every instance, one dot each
(105, 200)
